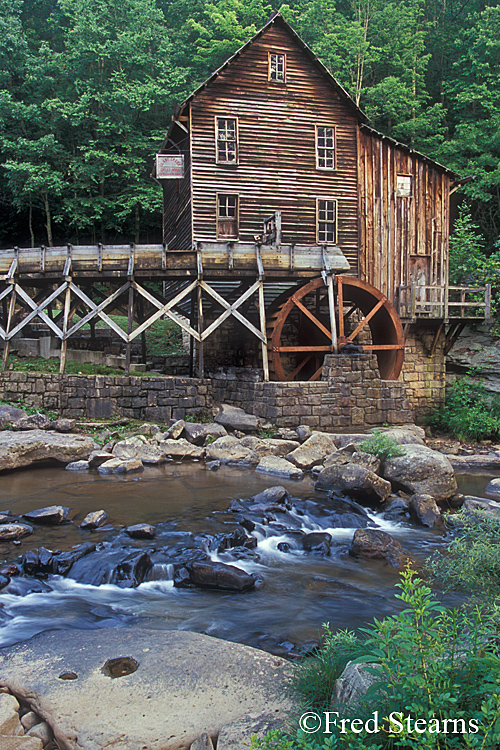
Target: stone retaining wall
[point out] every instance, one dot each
(423, 373)
(351, 394)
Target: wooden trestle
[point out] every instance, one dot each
(56, 284)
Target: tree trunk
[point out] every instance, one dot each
(30, 223)
(48, 223)
(137, 223)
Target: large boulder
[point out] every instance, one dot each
(32, 422)
(129, 448)
(279, 467)
(11, 532)
(354, 682)
(234, 418)
(197, 433)
(181, 449)
(313, 451)
(354, 480)
(372, 544)
(10, 414)
(493, 489)
(421, 471)
(208, 683)
(229, 450)
(18, 449)
(424, 510)
(213, 575)
(52, 515)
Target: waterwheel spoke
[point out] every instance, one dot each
(366, 320)
(382, 347)
(303, 349)
(299, 367)
(312, 317)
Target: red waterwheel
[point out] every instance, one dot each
(299, 333)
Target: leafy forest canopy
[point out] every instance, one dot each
(88, 88)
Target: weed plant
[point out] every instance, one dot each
(440, 666)
(470, 413)
(381, 445)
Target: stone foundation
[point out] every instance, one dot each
(350, 395)
(423, 374)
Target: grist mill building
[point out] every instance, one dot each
(305, 255)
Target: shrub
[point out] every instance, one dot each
(470, 411)
(382, 446)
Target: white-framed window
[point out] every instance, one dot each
(227, 215)
(404, 185)
(325, 147)
(326, 221)
(226, 140)
(277, 67)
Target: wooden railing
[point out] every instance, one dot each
(444, 302)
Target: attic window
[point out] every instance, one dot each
(325, 147)
(226, 134)
(277, 67)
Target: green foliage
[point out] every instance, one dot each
(269, 432)
(472, 560)
(381, 445)
(470, 412)
(38, 364)
(315, 676)
(431, 664)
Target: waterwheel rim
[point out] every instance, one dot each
(380, 317)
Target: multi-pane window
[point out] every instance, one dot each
(227, 215)
(226, 139)
(326, 220)
(325, 147)
(276, 67)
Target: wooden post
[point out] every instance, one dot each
(12, 306)
(140, 315)
(487, 302)
(130, 322)
(262, 315)
(191, 339)
(201, 364)
(64, 340)
(331, 307)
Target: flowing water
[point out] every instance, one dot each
(299, 590)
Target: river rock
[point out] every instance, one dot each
(52, 515)
(10, 532)
(20, 743)
(202, 743)
(97, 458)
(352, 685)
(197, 433)
(209, 683)
(354, 480)
(278, 446)
(121, 466)
(175, 430)
(312, 452)
(493, 489)
(141, 531)
(129, 448)
(424, 510)
(272, 496)
(19, 449)
(368, 460)
(487, 462)
(94, 520)
(478, 505)
(78, 466)
(32, 422)
(29, 720)
(216, 575)
(229, 450)
(405, 435)
(62, 562)
(9, 716)
(10, 414)
(42, 732)
(150, 454)
(374, 544)
(347, 514)
(131, 571)
(181, 449)
(63, 425)
(303, 432)
(279, 467)
(422, 471)
(318, 542)
(234, 418)
(340, 457)
(235, 736)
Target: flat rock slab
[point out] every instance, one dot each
(19, 449)
(186, 684)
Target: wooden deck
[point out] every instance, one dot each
(212, 259)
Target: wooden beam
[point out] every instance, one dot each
(12, 306)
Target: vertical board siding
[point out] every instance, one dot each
(177, 230)
(277, 147)
(402, 239)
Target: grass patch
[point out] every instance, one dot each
(382, 446)
(162, 338)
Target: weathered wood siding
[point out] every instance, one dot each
(277, 147)
(402, 239)
(177, 225)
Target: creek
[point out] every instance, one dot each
(189, 505)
